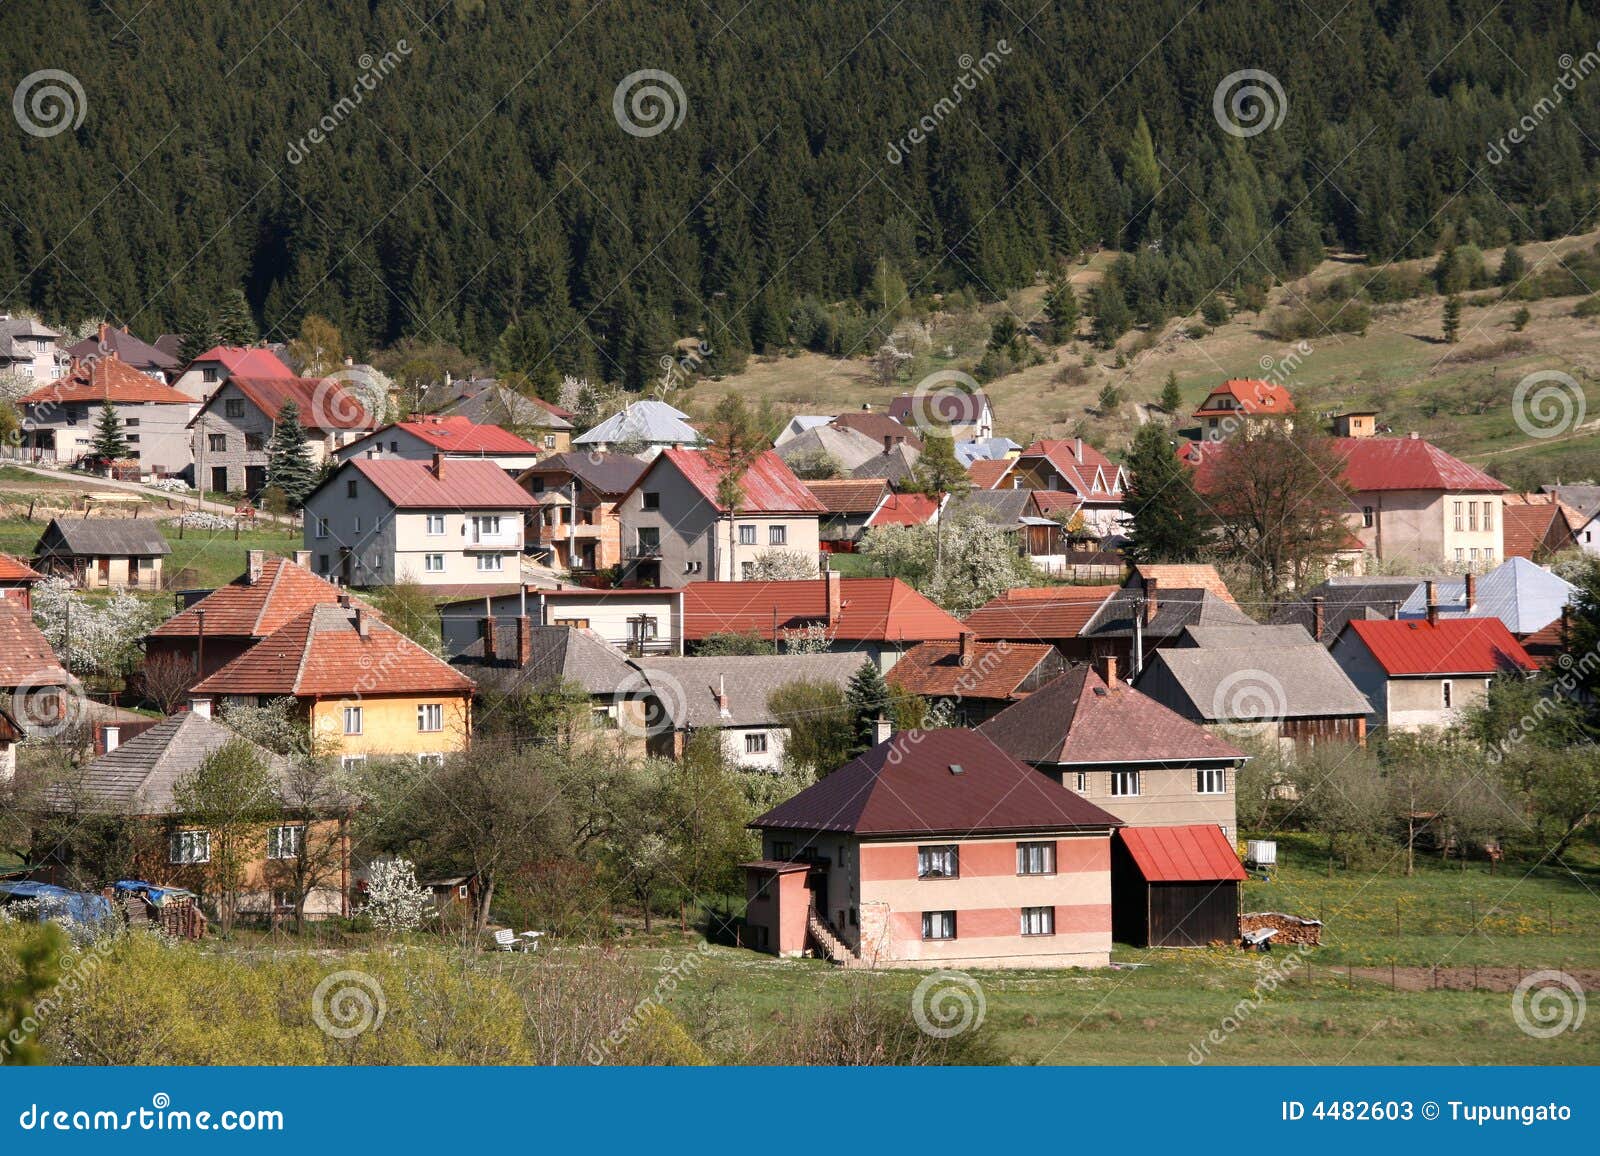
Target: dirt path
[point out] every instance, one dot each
(1456, 978)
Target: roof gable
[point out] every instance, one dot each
(248, 609)
(767, 486)
(1418, 648)
(324, 403)
(1250, 396)
(250, 362)
(462, 484)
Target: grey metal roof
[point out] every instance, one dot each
(555, 654)
(687, 687)
(1244, 684)
(1344, 599)
(1522, 594)
(980, 449)
(138, 777)
(1224, 637)
(484, 401)
(1175, 609)
(102, 537)
(649, 421)
(848, 447)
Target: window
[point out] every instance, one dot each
(394, 447)
(1083, 782)
(747, 570)
(1459, 516)
(535, 485)
(433, 563)
(357, 523)
(549, 441)
(1124, 782)
(352, 762)
(322, 529)
(1211, 782)
(938, 925)
(131, 423)
(783, 850)
(352, 720)
(255, 441)
(755, 744)
(1038, 921)
(208, 375)
(430, 759)
(430, 716)
(572, 623)
(938, 862)
(485, 526)
(1488, 551)
(1472, 516)
(649, 540)
(777, 535)
(747, 535)
(233, 407)
(1366, 516)
(350, 490)
(1461, 554)
(133, 439)
(495, 562)
(189, 847)
(217, 443)
(1446, 690)
(435, 524)
(1488, 515)
(322, 559)
(1473, 553)
(1036, 858)
(651, 500)
(285, 842)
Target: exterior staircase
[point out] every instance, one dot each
(827, 941)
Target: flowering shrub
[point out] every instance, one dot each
(395, 900)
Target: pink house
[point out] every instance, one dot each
(934, 848)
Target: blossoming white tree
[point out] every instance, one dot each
(395, 900)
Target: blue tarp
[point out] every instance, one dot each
(155, 895)
(59, 903)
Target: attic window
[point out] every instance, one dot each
(1101, 691)
(957, 769)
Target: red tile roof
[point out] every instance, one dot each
(905, 510)
(1051, 502)
(16, 570)
(320, 653)
(986, 473)
(871, 609)
(906, 786)
(250, 362)
(464, 484)
(247, 609)
(26, 659)
(1197, 854)
(1078, 720)
(768, 485)
(1254, 397)
(1533, 529)
(996, 669)
(1044, 613)
(1094, 476)
(323, 402)
(1191, 576)
(849, 495)
(461, 435)
(1411, 647)
(105, 379)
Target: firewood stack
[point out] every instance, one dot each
(1290, 928)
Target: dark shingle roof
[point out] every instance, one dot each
(102, 537)
(1346, 598)
(555, 654)
(604, 473)
(1175, 609)
(1249, 683)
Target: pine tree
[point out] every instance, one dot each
(110, 443)
(524, 360)
(1111, 319)
(1171, 396)
(233, 323)
(289, 464)
(1452, 320)
(867, 699)
(1513, 267)
(1169, 521)
(1061, 308)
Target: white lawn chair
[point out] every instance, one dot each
(530, 940)
(506, 940)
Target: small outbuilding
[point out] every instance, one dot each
(103, 552)
(1174, 886)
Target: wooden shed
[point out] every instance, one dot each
(1174, 886)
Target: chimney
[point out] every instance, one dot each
(524, 639)
(1319, 606)
(722, 695)
(833, 584)
(375, 451)
(1152, 602)
(255, 560)
(344, 601)
(1472, 592)
(1077, 449)
(1106, 666)
(883, 730)
(490, 643)
(1433, 603)
(113, 737)
(438, 466)
(350, 362)
(201, 706)
(966, 648)
(105, 330)
(302, 558)
(363, 622)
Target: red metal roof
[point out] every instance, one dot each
(768, 485)
(462, 435)
(16, 570)
(324, 403)
(1414, 646)
(105, 379)
(461, 485)
(1197, 854)
(1408, 464)
(250, 362)
(871, 609)
(1043, 613)
(904, 510)
(248, 609)
(1254, 397)
(906, 786)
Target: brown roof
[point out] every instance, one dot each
(16, 570)
(849, 495)
(1042, 613)
(1078, 719)
(1534, 529)
(877, 426)
(1189, 577)
(463, 483)
(870, 609)
(253, 609)
(25, 657)
(996, 670)
(324, 403)
(105, 379)
(945, 782)
(987, 472)
(320, 652)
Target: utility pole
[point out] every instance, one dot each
(1138, 637)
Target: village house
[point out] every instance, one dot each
(1123, 751)
(378, 521)
(896, 465)
(847, 504)
(484, 401)
(729, 695)
(109, 341)
(1324, 609)
(633, 619)
(1055, 615)
(934, 849)
(1531, 601)
(1240, 404)
(419, 437)
(873, 618)
(234, 428)
(101, 553)
(60, 420)
(514, 656)
(799, 424)
(1538, 526)
(28, 349)
(642, 429)
(1073, 466)
(675, 527)
(845, 450)
(362, 687)
(888, 433)
(905, 510)
(975, 680)
(205, 374)
(577, 526)
(1152, 608)
(968, 417)
(969, 452)
(37, 694)
(1419, 673)
(213, 630)
(137, 780)
(17, 580)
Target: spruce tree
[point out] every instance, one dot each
(1169, 521)
(1061, 308)
(233, 323)
(1452, 320)
(110, 443)
(289, 464)
(1171, 396)
(867, 698)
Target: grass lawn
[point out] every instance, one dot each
(214, 557)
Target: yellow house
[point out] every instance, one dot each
(365, 688)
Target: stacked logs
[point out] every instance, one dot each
(1290, 928)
